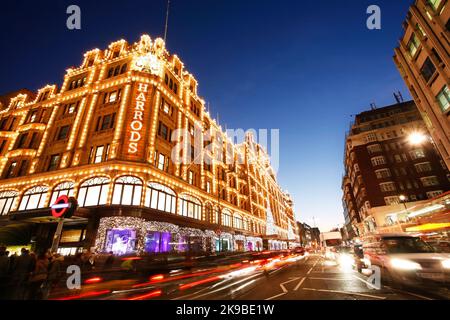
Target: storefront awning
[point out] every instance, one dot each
(16, 234)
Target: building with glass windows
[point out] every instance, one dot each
(121, 136)
(386, 170)
(423, 60)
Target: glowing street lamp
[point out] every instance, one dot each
(417, 138)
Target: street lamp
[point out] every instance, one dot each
(417, 138)
(403, 199)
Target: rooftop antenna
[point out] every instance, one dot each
(167, 20)
(373, 106)
(398, 97)
(314, 221)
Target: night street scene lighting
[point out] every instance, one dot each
(147, 149)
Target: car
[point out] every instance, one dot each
(359, 257)
(406, 260)
(299, 250)
(441, 246)
(344, 257)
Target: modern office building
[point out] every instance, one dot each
(121, 136)
(389, 161)
(424, 63)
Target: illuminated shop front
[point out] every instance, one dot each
(277, 245)
(129, 235)
(104, 137)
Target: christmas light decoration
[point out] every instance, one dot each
(267, 210)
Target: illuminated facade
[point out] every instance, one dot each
(384, 170)
(108, 138)
(423, 61)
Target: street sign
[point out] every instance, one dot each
(64, 207)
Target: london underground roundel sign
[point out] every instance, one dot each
(61, 207)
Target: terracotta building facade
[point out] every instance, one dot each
(383, 168)
(424, 63)
(109, 138)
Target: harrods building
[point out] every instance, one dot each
(107, 137)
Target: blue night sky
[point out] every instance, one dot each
(303, 67)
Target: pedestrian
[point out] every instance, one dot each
(38, 277)
(55, 272)
(86, 260)
(109, 261)
(4, 273)
(21, 271)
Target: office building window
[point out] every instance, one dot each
(163, 131)
(21, 141)
(54, 162)
(63, 133)
(33, 116)
(434, 194)
(392, 200)
(11, 169)
(374, 148)
(377, 161)
(99, 154)
(417, 154)
(413, 45)
(443, 99)
(23, 168)
(428, 69)
(383, 173)
(430, 181)
(105, 122)
(423, 167)
(161, 161)
(191, 177)
(388, 187)
(435, 4)
(112, 96)
(71, 108)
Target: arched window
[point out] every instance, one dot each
(7, 199)
(123, 69)
(226, 218)
(190, 207)
(62, 189)
(161, 198)
(238, 222)
(93, 192)
(127, 191)
(116, 71)
(34, 198)
(211, 214)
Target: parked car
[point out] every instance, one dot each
(407, 260)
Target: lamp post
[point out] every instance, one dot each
(403, 200)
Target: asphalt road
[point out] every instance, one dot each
(312, 278)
